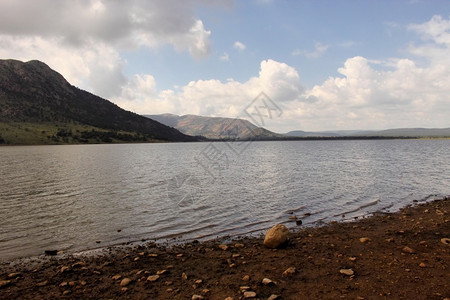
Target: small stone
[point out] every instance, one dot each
(152, 278)
(43, 283)
(292, 218)
(64, 269)
(141, 253)
(248, 295)
(63, 284)
(422, 265)
(168, 282)
(364, 240)
(289, 272)
(238, 245)
(125, 282)
(352, 258)
(273, 297)
(348, 272)
(124, 289)
(406, 249)
(161, 272)
(197, 297)
(184, 276)
(276, 236)
(244, 288)
(267, 281)
(229, 298)
(389, 240)
(83, 282)
(445, 241)
(246, 278)
(4, 283)
(66, 292)
(14, 275)
(116, 277)
(205, 291)
(223, 247)
(136, 258)
(152, 255)
(298, 222)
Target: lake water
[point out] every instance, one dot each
(81, 197)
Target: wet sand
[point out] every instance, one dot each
(404, 255)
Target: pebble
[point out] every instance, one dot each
(276, 236)
(197, 297)
(273, 297)
(116, 277)
(289, 271)
(161, 272)
(184, 276)
(422, 265)
(267, 281)
(43, 283)
(153, 278)
(246, 278)
(64, 269)
(125, 282)
(445, 241)
(152, 255)
(66, 292)
(229, 298)
(364, 240)
(348, 272)
(249, 295)
(244, 288)
(4, 283)
(14, 275)
(238, 245)
(223, 247)
(407, 249)
(205, 291)
(352, 258)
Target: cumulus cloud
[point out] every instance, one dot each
(83, 38)
(367, 94)
(239, 46)
(217, 98)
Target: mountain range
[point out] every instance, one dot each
(397, 132)
(215, 127)
(37, 105)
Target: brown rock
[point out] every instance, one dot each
(152, 278)
(348, 272)
(267, 281)
(4, 283)
(274, 297)
(445, 241)
(276, 236)
(223, 247)
(248, 295)
(289, 272)
(406, 249)
(125, 282)
(116, 277)
(43, 283)
(364, 240)
(197, 297)
(246, 278)
(184, 276)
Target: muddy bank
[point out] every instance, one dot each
(404, 255)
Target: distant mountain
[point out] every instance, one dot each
(398, 132)
(215, 127)
(32, 93)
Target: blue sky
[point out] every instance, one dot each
(327, 64)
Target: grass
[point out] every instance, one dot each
(63, 133)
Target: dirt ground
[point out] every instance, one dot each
(405, 255)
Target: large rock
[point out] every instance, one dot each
(276, 236)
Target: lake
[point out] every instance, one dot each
(80, 197)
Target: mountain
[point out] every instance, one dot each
(215, 127)
(397, 132)
(33, 94)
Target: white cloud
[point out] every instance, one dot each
(239, 46)
(224, 57)
(83, 39)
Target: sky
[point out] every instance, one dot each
(324, 65)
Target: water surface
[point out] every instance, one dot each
(71, 197)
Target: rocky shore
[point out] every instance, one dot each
(404, 255)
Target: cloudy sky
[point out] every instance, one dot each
(326, 64)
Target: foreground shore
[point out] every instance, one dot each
(405, 255)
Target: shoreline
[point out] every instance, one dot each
(397, 255)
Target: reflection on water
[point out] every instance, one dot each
(69, 197)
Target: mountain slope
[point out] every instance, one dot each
(215, 127)
(397, 132)
(32, 92)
